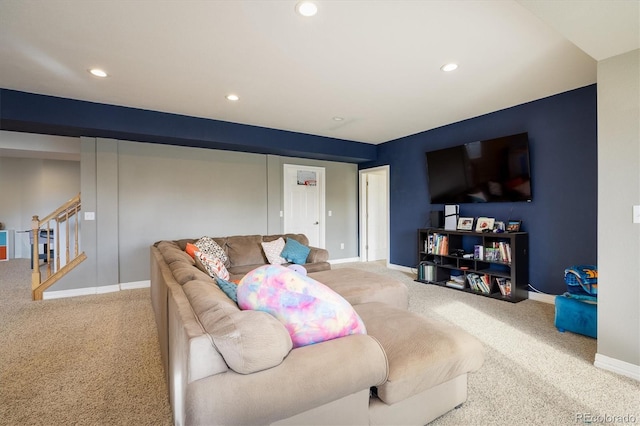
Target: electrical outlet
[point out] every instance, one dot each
(341, 246)
(636, 214)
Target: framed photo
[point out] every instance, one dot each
(465, 223)
(514, 225)
(484, 223)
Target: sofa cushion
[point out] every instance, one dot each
(272, 250)
(358, 286)
(245, 250)
(422, 352)
(249, 341)
(172, 253)
(310, 311)
(295, 252)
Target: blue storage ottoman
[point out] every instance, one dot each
(576, 315)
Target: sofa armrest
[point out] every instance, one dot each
(309, 377)
(317, 255)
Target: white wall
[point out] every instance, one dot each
(618, 191)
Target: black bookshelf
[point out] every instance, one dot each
(502, 265)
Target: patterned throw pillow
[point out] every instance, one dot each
(310, 311)
(272, 250)
(212, 265)
(295, 252)
(208, 246)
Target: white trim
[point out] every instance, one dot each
(88, 291)
(135, 285)
(401, 268)
(543, 297)
(345, 260)
(615, 365)
(362, 208)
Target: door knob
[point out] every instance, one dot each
(316, 223)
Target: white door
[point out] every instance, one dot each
(374, 214)
(304, 202)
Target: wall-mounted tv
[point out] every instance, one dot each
(481, 172)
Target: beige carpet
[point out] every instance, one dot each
(94, 360)
(89, 360)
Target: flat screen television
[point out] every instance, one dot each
(486, 171)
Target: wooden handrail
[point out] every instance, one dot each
(62, 208)
(61, 215)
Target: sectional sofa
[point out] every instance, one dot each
(227, 366)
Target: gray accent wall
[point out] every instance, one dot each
(618, 191)
(142, 193)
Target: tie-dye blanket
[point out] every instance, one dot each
(310, 310)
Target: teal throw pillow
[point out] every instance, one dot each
(295, 252)
(230, 289)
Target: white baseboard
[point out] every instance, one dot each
(135, 285)
(345, 260)
(620, 367)
(543, 297)
(87, 291)
(401, 268)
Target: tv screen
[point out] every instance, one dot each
(481, 172)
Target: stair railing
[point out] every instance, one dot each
(49, 229)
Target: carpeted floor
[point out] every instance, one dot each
(89, 360)
(94, 360)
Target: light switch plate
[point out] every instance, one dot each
(636, 214)
(89, 215)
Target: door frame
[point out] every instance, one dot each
(321, 198)
(362, 231)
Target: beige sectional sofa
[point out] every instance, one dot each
(225, 366)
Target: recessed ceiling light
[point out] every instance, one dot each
(98, 72)
(449, 67)
(306, 8)
(232, 97)
(338, 118)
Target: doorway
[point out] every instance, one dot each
(304, 202)
(374, 214)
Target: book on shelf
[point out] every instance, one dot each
(498, 251)
(504, 284)
(478, 252)
(454, 284)
(479, 283)
(438, 244)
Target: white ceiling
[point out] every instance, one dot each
(374, 63)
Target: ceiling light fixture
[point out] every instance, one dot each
(98, 72)
(232, 97)
(338, 118)
(449, 67)
(306, 8)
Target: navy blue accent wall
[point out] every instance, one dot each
(28, 112)
(561, 219)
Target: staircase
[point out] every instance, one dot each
(62, 227)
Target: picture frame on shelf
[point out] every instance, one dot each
(485, 224)
(514, 225)
(465, 224)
